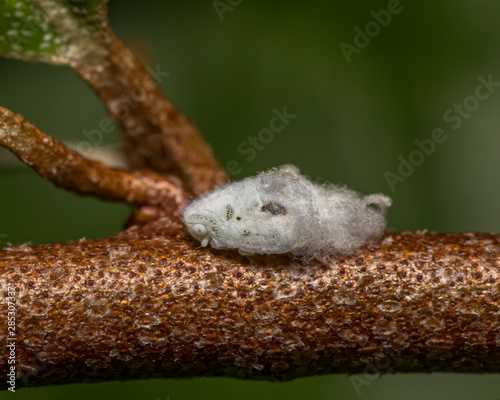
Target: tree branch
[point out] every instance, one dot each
(69, 170)
(157, 136)
(149, 303)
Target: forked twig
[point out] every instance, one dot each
(157, 136)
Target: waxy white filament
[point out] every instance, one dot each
(281, 211)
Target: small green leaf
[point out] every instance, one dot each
(53, 31)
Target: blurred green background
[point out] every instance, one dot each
(353, 123)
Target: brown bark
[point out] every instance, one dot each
(156, 134)
(69, 170)
(151, 303)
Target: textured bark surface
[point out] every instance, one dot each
(69, 170)
(150, 303)
(156, 134)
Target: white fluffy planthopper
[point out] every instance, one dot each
(281, 211)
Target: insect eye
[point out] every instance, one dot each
(198, 230)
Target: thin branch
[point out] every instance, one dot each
(150, 303)
(69, 170)
(157, 136)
